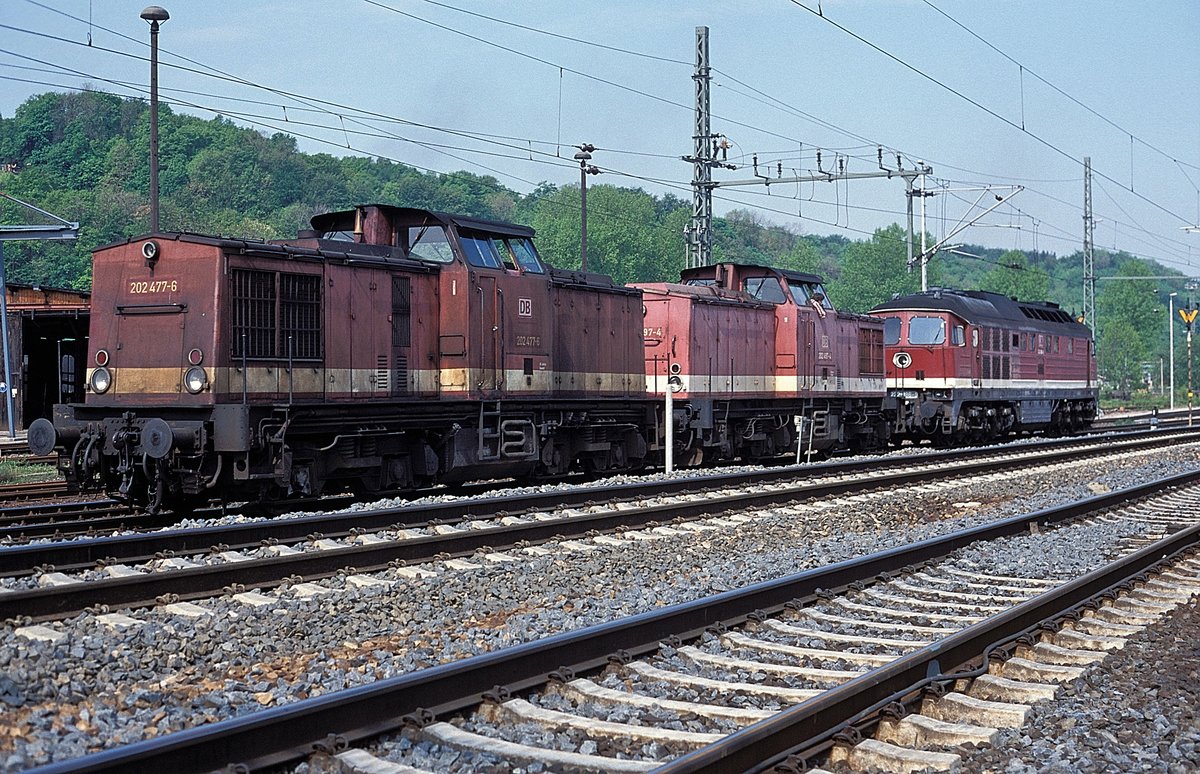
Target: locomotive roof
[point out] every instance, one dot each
(415, 216)
(982, 307)
(750, 268)
(348, 251)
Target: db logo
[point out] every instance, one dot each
(902, 359)
(525, 307)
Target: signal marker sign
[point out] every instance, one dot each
(1188, 315)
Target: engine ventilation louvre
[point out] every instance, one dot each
(400, 375)
(382, 382)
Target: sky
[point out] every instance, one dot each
(992, 95)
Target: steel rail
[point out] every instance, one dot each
(148, 589)
(770, 741)
(332, 525)
(288, 733)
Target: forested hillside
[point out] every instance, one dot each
(84, 156)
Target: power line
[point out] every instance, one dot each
(472, 135)
(560, 36)
(916, 70)
(1025, 69)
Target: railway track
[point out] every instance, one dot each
(54, 580)
(30, 490)
(89, 518)
(914, 653)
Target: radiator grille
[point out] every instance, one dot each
(253, 313)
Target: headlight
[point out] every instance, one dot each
(101, 380)
(195, 380)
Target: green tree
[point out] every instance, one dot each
(627, 238)
(1120, 354)
(1127, 318)
(874, 271)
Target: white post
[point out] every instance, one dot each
(669, 420)
(8, 385)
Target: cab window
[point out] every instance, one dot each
(526, 256)
(429, 243)
(805, 292)
(891, 331)
(958, 336)
(764, 289)
(506, 257)
(480, 252)
(926, 330)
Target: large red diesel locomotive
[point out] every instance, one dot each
(386, 349)
(391, 348)
(972, 365)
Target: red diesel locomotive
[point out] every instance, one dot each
(976, 366)
(388, 348)
(763, 362)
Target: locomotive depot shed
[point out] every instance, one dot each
(48, 333)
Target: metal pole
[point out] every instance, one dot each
(700, 231)
(583, 157)
(153, 127)
(154, 14)
(908, 185)
(1089, 259)
(8, 389)
(924, 257)
(583, 215)
(1189, 376)
(1171, 345)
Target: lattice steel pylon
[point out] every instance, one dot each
(699, 232)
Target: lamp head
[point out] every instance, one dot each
(155, 14)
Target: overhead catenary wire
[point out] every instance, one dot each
(1025, 69)
(961, 95)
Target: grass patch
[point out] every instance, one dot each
(16, 472)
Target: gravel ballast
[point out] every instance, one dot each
(101, 686)
(1137, 710)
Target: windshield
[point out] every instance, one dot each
(764, 289)
(926, 330)
(891, 331)
(526, 256)
(804, 292)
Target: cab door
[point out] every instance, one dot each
(489, 328)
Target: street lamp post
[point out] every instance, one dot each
(583, 157)
(155, 15)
